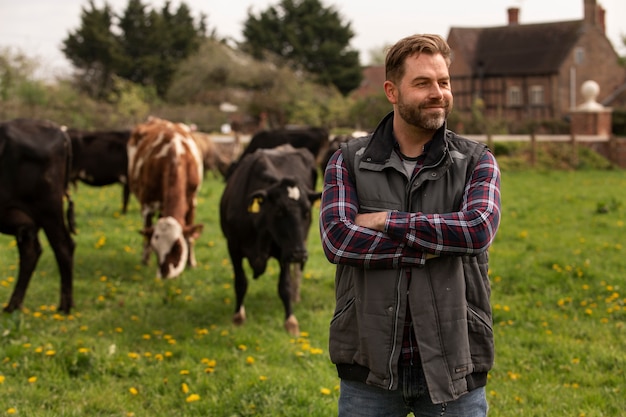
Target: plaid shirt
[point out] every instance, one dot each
(408, 237)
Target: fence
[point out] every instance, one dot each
(611, 147)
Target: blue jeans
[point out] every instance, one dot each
(357, 399)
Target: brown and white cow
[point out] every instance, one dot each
(165, 174)
(265, 211)
(35, 160)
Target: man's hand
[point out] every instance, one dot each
(375, 221)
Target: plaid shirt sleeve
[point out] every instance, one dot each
(408, 236)
(469, 231)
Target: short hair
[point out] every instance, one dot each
(413, 45)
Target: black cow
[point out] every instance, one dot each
(265, 211)
(100, 158)
(35, 159)
(315, 139)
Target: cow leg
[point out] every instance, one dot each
(191, 259)
(241, 286)
(284, 292)
(29, 249)
(125, 196)
(63, 247)
(147, 250)
(295, 279)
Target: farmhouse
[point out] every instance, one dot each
(535, 71)
(531, 72)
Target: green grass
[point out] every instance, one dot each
(137, 346)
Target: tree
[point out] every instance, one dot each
(309, 37)
(142, 46)
(94, 50)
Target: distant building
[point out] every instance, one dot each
(535, 71)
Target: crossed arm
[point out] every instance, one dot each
(395, 239)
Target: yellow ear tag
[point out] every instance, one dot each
(255, 207)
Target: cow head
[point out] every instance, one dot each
(282, 212)
(170, 242)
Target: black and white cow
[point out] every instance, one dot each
(100, 158)
(35, 160)
(265, 211)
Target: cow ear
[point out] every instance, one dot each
(147, 232)
(255, 200)
(193, 231)
(313, 197)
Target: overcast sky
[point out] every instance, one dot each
(37, 27)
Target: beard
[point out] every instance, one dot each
(427, 120)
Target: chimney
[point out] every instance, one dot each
(591, 11)
(513, 13)
(601, 17)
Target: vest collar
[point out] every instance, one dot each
(379, 148)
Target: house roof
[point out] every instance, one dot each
(518, 49)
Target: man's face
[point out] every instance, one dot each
(423, 96)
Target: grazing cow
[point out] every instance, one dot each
(35, 159)
(213, 157)
(100, 158)
(315, 139)
(335, 144)
(265, 211)
(165, 174)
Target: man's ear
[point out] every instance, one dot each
(391, 91)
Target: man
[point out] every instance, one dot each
(408, 214)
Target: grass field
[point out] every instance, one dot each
(137, 346)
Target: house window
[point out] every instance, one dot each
(515, 96)
(579, 55)
(536, 95)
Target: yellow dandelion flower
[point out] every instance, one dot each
(146, 337)
(133, 355)
(262, 378)
(2, 379)
(158, 357)
(184, 388)
(168, 354)
(192, 398)
(209, 362)
(209, 370)
(11, 411)
(184, 372)
(50, 353)
(242, 347)
(32, 379)
(133, 391)
(249, 360)
(119, 330)
(325, 391)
